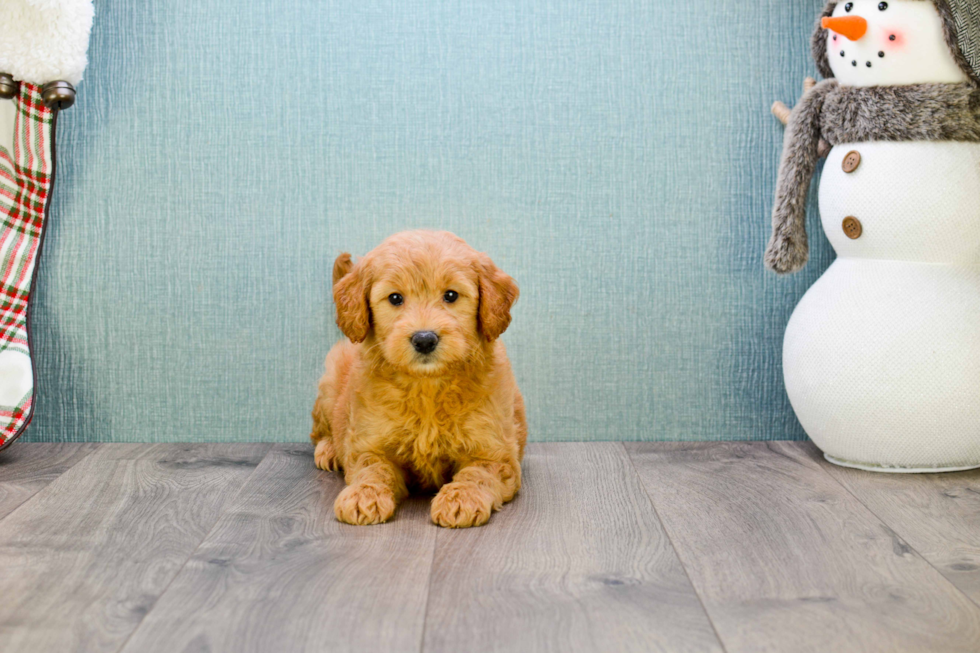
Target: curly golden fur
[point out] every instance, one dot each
(393, 418)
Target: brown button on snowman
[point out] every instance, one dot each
(900, 203)
(851, 161)
(852, 227)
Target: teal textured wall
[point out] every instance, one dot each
(617, 157)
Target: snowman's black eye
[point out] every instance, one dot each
(848, 7)
(396, 299)
(882, 6)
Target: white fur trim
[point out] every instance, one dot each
(44, 41)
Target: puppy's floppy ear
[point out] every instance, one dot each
(341, 267)
(350, 294)
(498, 292)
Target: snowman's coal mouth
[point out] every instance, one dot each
(867, 64)
(854, 62)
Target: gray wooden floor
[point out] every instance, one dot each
(610, 547)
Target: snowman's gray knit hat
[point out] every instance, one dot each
(961, 24)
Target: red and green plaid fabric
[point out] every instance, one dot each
(26, 175)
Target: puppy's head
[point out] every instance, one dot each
(425, 300)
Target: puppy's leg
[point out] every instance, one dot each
(375, 485)
(330, 397)
(478, 488)
(520, 423)
(323, 455)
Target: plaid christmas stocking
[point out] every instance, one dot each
(27, 129)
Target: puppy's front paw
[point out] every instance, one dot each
(365, 504)
(324, 456)
(461, 505)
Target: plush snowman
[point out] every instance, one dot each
(882, 355)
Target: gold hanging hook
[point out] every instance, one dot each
(8, 87)
(58, 95)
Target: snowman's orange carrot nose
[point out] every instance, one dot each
(853, 27)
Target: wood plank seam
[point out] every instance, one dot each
(228, 504)
(779, 552)
(579, 562)
(63, 472)
(898, 535)
(428, 594)
(279, 572)
(670, 539)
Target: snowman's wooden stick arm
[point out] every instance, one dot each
(783, 112)
(788, 249)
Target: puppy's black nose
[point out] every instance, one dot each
(425, 341)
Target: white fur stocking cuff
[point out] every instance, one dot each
(44, 41)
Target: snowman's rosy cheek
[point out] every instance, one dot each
(893, 40)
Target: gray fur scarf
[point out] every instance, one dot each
(846, 114)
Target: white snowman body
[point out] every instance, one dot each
(881, 357)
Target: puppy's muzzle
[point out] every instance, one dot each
(425, 341)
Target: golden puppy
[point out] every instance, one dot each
(422, 396)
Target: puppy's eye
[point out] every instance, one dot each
(396, 299)
(848, 7)
(450, 296)
(882, 6)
